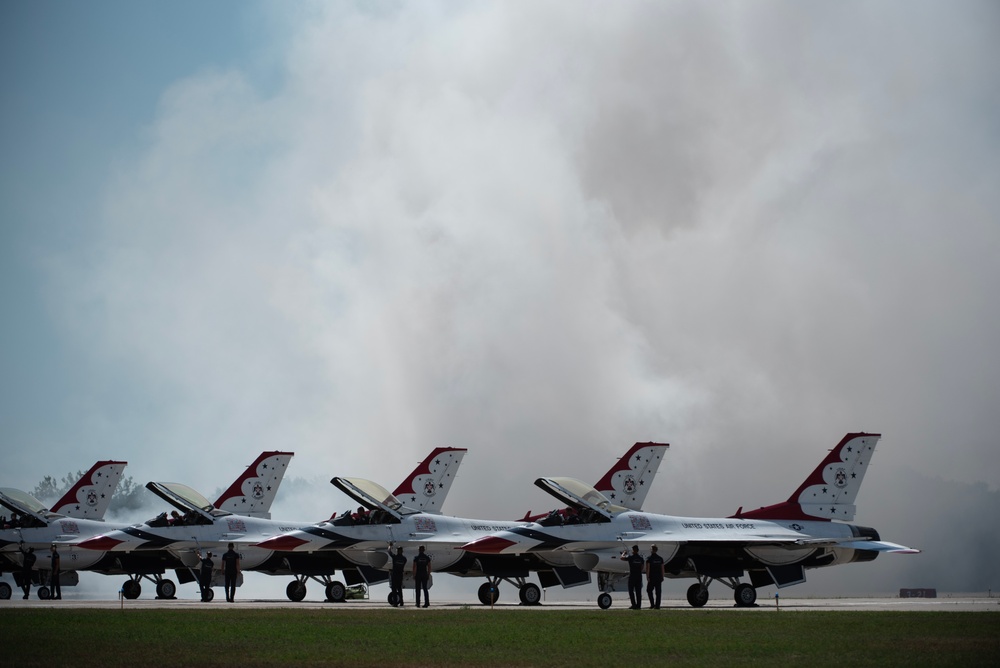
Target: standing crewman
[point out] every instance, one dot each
(206, 576)
(396, 576)
(636, 565)
(654, 577)
(231, 568)
(27, 563)
(421, 573)
(55, 570)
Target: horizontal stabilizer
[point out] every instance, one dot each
(879, 546)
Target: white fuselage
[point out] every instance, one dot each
(367, 544)
(182, 542)
(65, 533)
(596, 547)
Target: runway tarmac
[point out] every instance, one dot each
(942, 604)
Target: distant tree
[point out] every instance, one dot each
(128, 496)
(51, 490)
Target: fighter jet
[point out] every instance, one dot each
(773, 545)
(402, 524)
(78, 514)
(248, 499)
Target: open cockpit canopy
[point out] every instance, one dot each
(186, 500)
(591, 504)
(26, 506)
(372, 495)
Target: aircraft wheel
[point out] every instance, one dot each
(295, 591)
(209, 595)
(4, 591)
(530, 594)
(393, 599)
(488, 593)
(167, 589)
(336, 592)
(44, 593)
(604, 601)
(697, 595)
(745, 595)
(131, 589)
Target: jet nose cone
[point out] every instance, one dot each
(488, 545)
(102, 543)
(282, 543)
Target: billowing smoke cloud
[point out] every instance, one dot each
(545, 231)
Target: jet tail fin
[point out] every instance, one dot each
(831, 489)
(427, 487)
(253, 492)
(628, 481)
(90, 497)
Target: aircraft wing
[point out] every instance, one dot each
(537, 538)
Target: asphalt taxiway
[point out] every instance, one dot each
(941, 604)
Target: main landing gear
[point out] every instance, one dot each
(528, 592)
(336, 591)
(743, 593)
(165, 589)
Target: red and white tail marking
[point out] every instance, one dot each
(830, 491)
(253, 492)
(90, 497)
(427, 487)
(629, 480)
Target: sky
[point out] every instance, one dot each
(541, 231)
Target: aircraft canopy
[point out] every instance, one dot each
(579, 495)
(186, 499)
(372, 495)
(23, 503)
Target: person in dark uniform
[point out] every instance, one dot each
(27, 563)
(396, 577)
(654, 578)
(206, 576)
(636, 565)
(55, 569)
(231, 568)
(421, 573)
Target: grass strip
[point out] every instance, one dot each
(467, 637)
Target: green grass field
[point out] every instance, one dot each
(476, 637)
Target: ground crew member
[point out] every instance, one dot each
(206, 576)
(55, 570)
(636, 565)
(654, 578)
(396, 577)
(231, 568)
(421, 573)
(27, 563)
